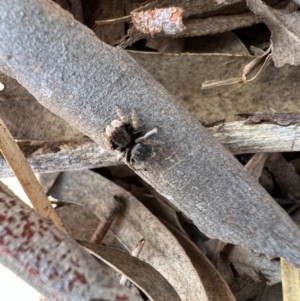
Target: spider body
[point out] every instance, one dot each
(123, 135)
(139, 153)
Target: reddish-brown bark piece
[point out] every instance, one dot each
(166, 20)
(76, 76)
(48, 259)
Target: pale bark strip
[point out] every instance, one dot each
(241, 138)
(55, 156)
(197, 27)
(203, 8)
(79, 78)
(45, 157)
(290, 281)
(26, 177)
(49, 260)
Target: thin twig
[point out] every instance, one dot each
(135, 253)
(114, 208)
(26, 177)
(114, 21)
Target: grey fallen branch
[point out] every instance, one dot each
(237, 137)
(76, 76)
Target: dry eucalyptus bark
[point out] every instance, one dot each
(285, 175)
(26, 119)
(48, 259)
(79, 78)
(54, 156)
(134, 222)
(238, 138)
(194, 8)
(199, 18)
(283, 119)
(285, 32)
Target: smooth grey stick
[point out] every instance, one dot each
(76, 76)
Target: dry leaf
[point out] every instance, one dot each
(216, 287)
(256, 164)
(221, 102)
(227, 43)
(91, 190)
(145, 277)
(81, 223)
(285, 175)
(234, 262)
(285, 32)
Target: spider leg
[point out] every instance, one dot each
(109, 130)
(134, 121)
(122, 116)
(146, 136)
(153, 142)
(107, 142)
(120, 155)
(116, 123)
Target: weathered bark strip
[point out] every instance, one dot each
(198, 27)
(48, 259)
(237, 137)
(79, 78)
(203, 8)
(241, 138)
(45, 157)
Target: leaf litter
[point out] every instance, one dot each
(272, 97)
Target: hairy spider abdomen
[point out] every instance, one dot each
(121, 137)
(140, 152)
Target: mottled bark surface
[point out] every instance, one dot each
(79, 78)
(49, 260)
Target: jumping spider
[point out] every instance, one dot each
(124, 136)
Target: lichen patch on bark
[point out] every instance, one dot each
(167, 20)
